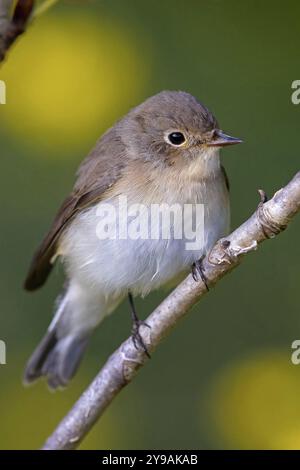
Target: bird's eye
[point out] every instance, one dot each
(176, 138)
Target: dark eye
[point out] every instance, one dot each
(176, 138)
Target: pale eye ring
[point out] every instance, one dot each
(176, 138)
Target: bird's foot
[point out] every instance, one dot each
(198, 270)
(137, 337)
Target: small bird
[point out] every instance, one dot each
(164, 151)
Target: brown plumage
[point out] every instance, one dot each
(104, 165)
(142, 160)
(96, 174)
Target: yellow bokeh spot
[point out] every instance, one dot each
(67, 79)
(255, 403)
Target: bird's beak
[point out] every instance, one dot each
(219, 139)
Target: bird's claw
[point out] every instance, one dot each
(198, 270)
(137, 338)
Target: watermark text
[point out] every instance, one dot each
(123, 221)
(2, 92)
(2, 352)
(295, 97)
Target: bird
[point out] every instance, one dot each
(164, 151)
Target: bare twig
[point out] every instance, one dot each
(12, 26)
(270, 218)
(45, 6)
(14, 23)
(5, 14)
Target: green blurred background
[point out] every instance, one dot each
(224, 378)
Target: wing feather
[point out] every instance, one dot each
(97, 173)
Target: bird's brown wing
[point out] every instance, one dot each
(98, 172)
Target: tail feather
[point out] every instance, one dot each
(56, 358)
(34, 366)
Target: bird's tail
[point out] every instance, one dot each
(59, 353)
(57, 359)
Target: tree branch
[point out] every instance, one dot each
(12, 26)
(268, 220)
(44, 7)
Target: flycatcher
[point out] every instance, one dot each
(163, 152)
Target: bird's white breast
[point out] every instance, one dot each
(141, 265)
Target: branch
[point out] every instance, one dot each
(44, 7)
(270, 218)
(11, 27)
(5, 11)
